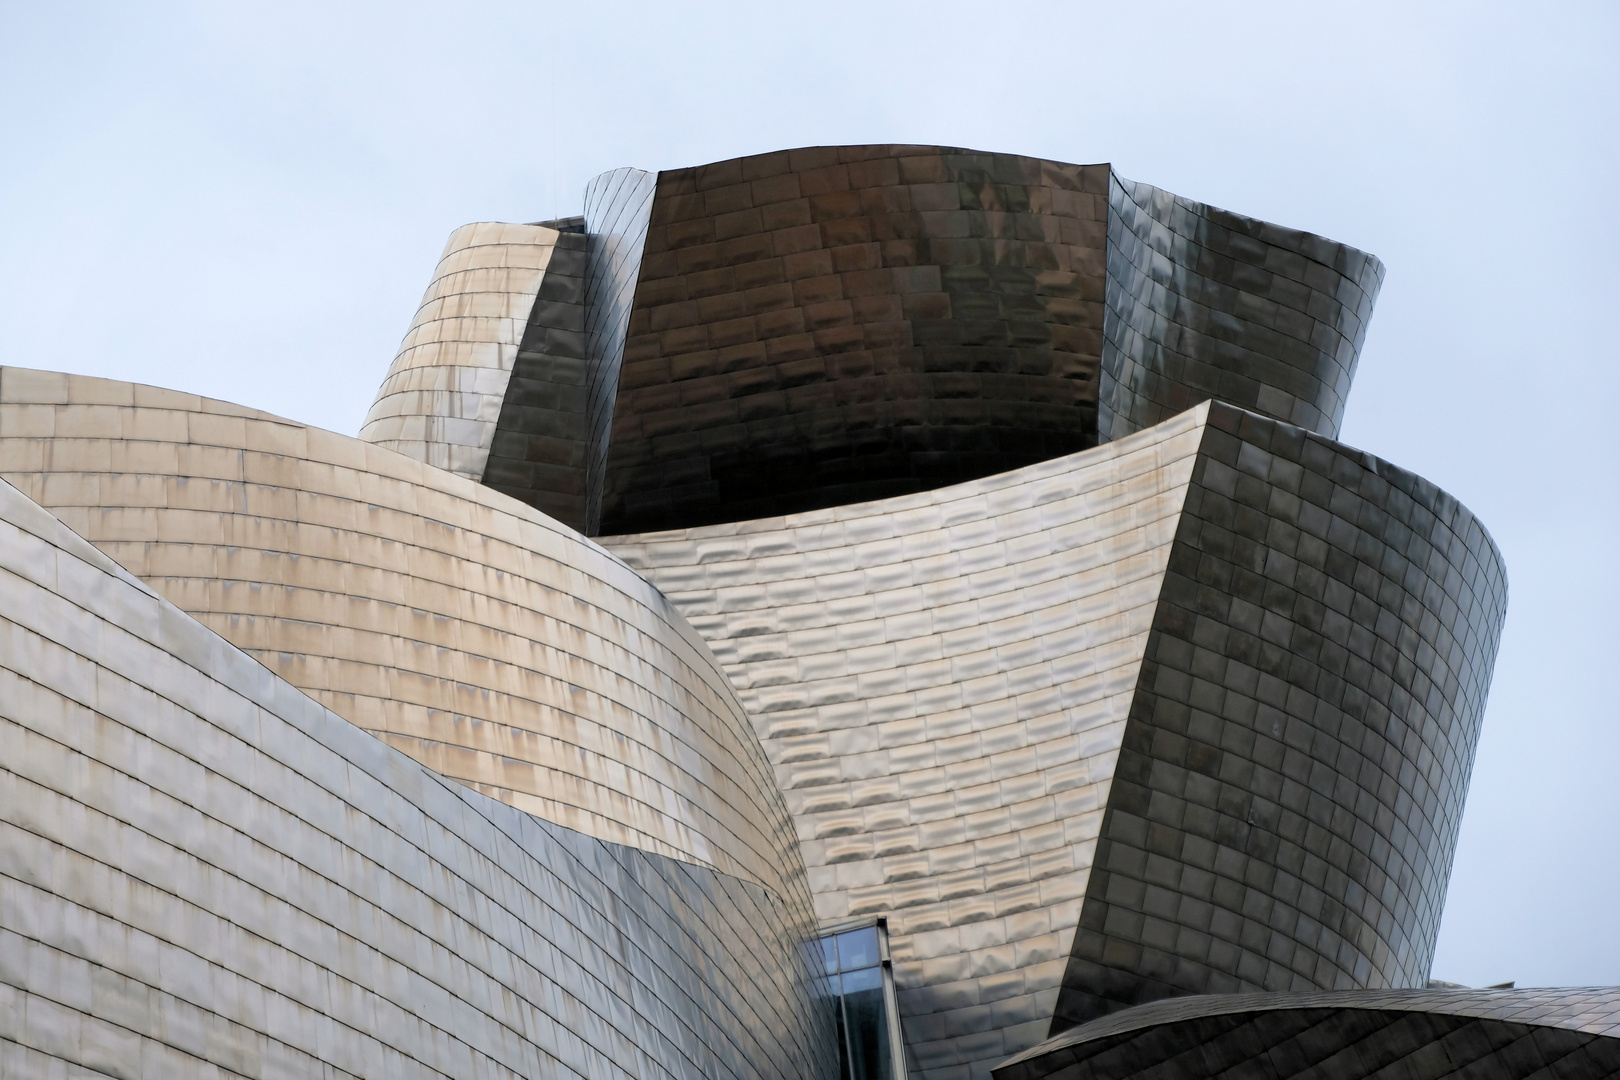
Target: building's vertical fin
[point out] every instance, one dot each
(618, 205)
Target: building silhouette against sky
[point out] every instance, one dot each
(877, 610)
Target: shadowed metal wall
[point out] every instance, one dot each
(828, 325)
(1354, 1035)
(1286, 804)
(834, 324)
(205, 873)
(538, 449)
(1204, 303)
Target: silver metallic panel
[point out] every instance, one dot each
(941, 681)
(205, 873)
(617, 207)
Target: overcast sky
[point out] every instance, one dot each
(246, 201)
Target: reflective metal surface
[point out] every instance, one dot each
(459, 626)
(828, 325)
(444, 391)
(205, 873)
(617, 207)
(1286, 804)
(942, 682)
(1209, 693)
(1032, 609)
(1409, 1034)
(537, 451)
(1203, 303)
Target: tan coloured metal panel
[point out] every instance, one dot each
(458, 625)
(442, 396)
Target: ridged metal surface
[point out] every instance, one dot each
(204, 873)
(458, 625)
(942, 682)
(443, 394)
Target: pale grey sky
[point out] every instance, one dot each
(246, 201)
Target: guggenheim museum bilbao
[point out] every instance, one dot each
(874, 612)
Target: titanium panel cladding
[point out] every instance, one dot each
(937, 680)
(455, 624)
(1203, 303)
(1286, 804)
(617, 207)
(1354, 1035)
(942, 682)
(443, 393)
(538, 451)
(833, 324)
(207, 873)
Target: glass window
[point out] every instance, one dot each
(863, 1003)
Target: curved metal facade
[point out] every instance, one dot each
(618, 206)
(537, 451)
(206, 873)
(1413, 1034)
(834, 324)
(444, 392)
(1286, 805)
(942, 682)
(1256, 657)
(1207, 304)
(815, 327)
(1010, 589)
(457, 625)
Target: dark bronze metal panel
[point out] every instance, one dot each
(1204, 303)
(1285, 808)
(1410, 1035)
(538, 452)
(835, 324)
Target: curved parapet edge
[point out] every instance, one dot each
(462, 627)
(1507, 1034)
(1206, 304)
(443, 393)
(206, 873)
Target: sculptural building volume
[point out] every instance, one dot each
(875, 610)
